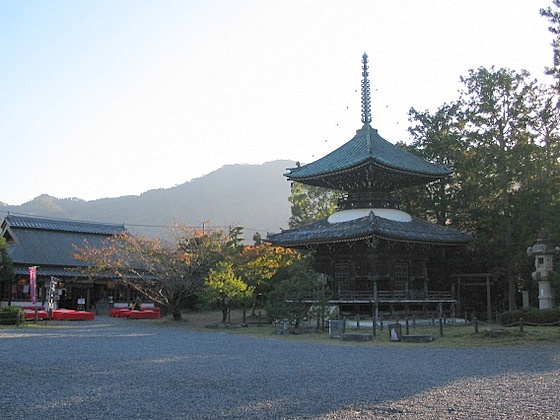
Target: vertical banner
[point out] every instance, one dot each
(52, 292)
(33, 284)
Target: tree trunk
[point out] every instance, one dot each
(510, 275)
(176, 312)
(254, 306)
(224, 314)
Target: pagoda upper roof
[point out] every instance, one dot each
(372, 226)
(369, 162)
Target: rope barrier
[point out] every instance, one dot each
(516, 323)
(533, 324)
(520, 323)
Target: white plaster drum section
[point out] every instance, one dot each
(353, 214)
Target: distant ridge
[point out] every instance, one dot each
(252, 196)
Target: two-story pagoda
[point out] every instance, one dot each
(372, 252)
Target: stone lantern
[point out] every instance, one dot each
(544, 251)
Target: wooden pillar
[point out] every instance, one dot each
(488, 300)
(458, 296)
(373, 318)
(425, 276)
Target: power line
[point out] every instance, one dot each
(201, 226)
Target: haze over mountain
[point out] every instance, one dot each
(252, 196)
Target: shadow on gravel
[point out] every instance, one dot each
(112, 367)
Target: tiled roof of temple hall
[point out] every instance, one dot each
(50, 242)
(62, 225)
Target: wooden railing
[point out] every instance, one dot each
(394, 295)
(391, 294)
(440, 296)
(355, 294)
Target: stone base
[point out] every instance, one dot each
(494, 332)
(356, 337)
(419, 338)
(103, 308)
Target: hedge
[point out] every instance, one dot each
(532, 315)
(11, 315)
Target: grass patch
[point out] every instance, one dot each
(39, 325)
(454, 334)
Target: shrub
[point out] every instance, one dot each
(532, 315)
(16, 309)
(296, 288)
(7, 314)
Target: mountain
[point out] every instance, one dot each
(252, 196)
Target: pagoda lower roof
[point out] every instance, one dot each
(370, 227)
(368, 161)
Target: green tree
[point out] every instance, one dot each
(500, 154)
(547, 124)
(259, 263)
(553, 15)
(235, 238)
(295, 289)
(546, 179)
(436, 138)
(223, 288)
(257, 239)
(310, 203)
(6, 267)
(501, 140)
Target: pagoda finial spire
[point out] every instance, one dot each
(366, 100)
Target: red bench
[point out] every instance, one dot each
(146, 313)
(30, 314)
(119, 312)
(72, 315)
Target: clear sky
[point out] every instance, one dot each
(115, 97)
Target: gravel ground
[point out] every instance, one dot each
(117, 368)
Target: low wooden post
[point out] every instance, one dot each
(475, 322)
(521, 324)
(441, 327)
(373, 318)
